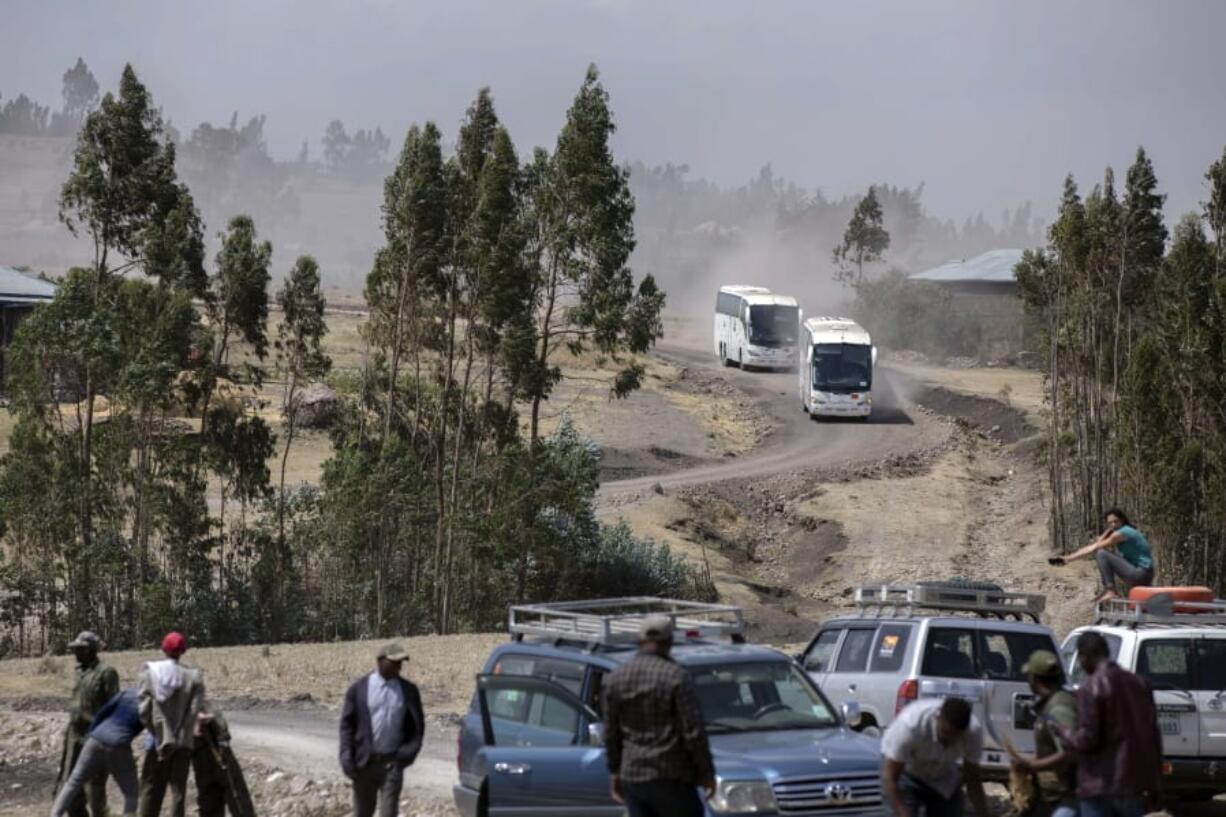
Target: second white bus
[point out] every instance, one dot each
(755, 328)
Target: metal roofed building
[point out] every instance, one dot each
(990, 273)
(19, 294)
(985, 287)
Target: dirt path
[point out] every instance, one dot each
(306, 741)
(797, 442)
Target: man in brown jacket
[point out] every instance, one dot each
(656, 742)
(170, 698)
(1117, 740)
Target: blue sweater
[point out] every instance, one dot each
(118, 721)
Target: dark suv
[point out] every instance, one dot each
(532, 742)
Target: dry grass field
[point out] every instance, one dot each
(442, 666)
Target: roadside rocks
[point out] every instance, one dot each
(28, 738)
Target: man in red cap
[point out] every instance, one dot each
(170, 698)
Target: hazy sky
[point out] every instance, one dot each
(989, 103)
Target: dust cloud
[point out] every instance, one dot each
(989, 105)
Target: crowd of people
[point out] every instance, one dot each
(381, 731)
(182, 733)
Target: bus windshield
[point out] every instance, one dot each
(773, 325)
(842, 366)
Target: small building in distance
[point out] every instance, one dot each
(19, 294)
(986, 287)
(988, 274)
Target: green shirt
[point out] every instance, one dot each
(1135, 547)
(96, 684)
(1056, 785)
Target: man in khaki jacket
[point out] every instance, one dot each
(96, 684)
(170, 699)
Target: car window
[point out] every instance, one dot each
(853, 655)
(1211, 664)
(818, 657)
(1166, 662)
(595, 690)
(890, 647)
(532, 718)
(1004, 653)
(564, 673)
(759, 696)
(1068, 655)
(949, 653)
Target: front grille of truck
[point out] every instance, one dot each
(829, 794)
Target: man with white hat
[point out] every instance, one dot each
(656, 742)
(96, 684)
(381, 731)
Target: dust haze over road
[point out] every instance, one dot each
(798, 442)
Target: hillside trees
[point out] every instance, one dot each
(99, 379)
(136, 393)
(487, 273)
(583, 213)
(1134, 339)
(80, 90)
(300, 356)
(864, 241)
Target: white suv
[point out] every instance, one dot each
(1182, 651)
(935, 640)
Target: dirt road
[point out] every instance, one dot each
(797, 442)
(306, 742)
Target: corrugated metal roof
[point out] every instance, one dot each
(995, 266)
(18, 287)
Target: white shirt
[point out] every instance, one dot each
(912, 740)
(385, 700)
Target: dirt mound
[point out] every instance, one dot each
(997, 420)
(631, 463)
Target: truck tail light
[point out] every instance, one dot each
(459, 749)
(908, 691)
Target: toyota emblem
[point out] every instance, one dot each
(838, 792)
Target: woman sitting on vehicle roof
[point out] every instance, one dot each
(1133, 562)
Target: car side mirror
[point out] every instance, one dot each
(852, 716)
(595, 734)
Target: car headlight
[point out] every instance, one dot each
(743, 797)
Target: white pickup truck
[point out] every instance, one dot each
(1182, 651)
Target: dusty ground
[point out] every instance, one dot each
(27, 776)
(285, 673)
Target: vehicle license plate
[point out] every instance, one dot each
(1168, 722)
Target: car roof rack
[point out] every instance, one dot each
(1163, 610)
(885, 600)
(616, 621)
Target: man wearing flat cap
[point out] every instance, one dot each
(96, 684)
(656, 742)
(382, 727)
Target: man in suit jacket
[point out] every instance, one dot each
(169, 697)
(382, 727)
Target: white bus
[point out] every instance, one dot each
(836, 368)
(755, 327)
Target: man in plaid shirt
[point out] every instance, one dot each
(657, 744)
